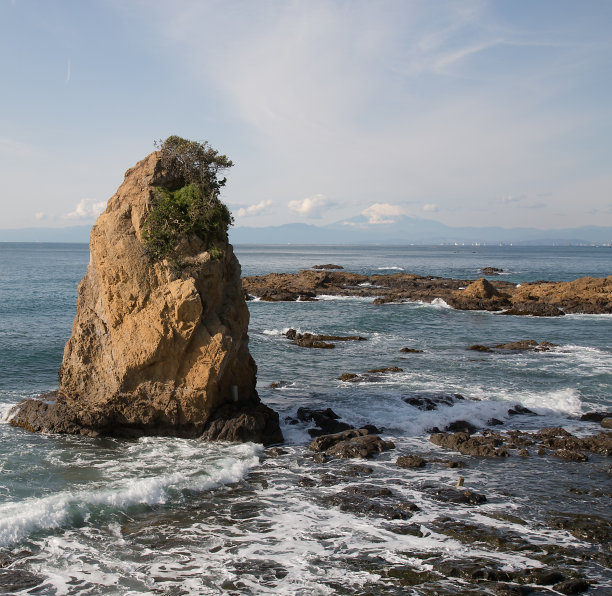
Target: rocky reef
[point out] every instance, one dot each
(586, 295)
(159, 345)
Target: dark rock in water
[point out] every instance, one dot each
(276, 452)
(312, 340)
(522, 453)
(461, 426)
(480, 348)
(595, 416)
(327, 421)
(328, 266)
(534, 309)
(519, 410)
(571, 455)
(572, 586)
(372, 500)
(410, 461)
(461, 497)
(388, 369)
(527, 345)
(433, 400)
(349, 377)
(17, 580)
(545, 577)
(236, 423)
(592, 528)
(606, 422)
(278, 384)
(351, 443)
(489, 446)
(494, 422)
(411, 351)
(491, 270)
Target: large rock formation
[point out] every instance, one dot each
(156, 347)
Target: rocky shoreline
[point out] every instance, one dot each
(587, 295)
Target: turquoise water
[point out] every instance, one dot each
(174, 516)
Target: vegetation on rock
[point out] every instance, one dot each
(188, 203)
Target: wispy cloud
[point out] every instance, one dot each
(430, 208)
(256, 209)
(312, 207)
(86, 209)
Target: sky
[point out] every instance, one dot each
(465, 112)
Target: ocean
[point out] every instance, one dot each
(176, 516)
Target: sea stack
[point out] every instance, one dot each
(159, 345)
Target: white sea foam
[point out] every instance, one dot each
(391, 268)
(18, 519)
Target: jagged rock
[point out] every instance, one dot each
(479, 295)
(433, 401)
(595, 416)
(351, 443)
(534, 309)
(491, 270)
(410, 461)
(328, 266)
(312, 340)
(527, 345)
(452, 495)
(572, 586)
(489, 446)
(411, 351)
(388, 369)
(606, 422)
(157, 347)
(462, 426)
(327, 421)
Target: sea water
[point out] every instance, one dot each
(175, 516)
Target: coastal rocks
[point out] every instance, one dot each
(371, 376)
(525, 345)
(157, 346)
(464, 443)
(327, 421)
(595, 416)
(411, 351)
(313, 340)
(491, 270)
(372, 500)
(586, 295)
(432, 401)
(351, 443)
(410, 461)
(329, 266)
(479, 295)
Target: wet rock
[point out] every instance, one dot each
(527, 345)
(606, 422)
(349, 377)
(351, 443)
(431, 401)
(589, 527)
(545, 577)
(372, 500)
(410, 461)
(321, 341)
(494, 422)
(276, 452)
(534, 309)
(460, 497)
(595, 416)
(327, 421)
(307, 481)
(17, 580)
(329, 266)
(480, 348)
(278, 384)
(491, 270)
(523, 453)
(519, 410)
(462, 426)
(320, 458)
(388, 369)
(571, 455)
(481, 446)
(411, 351)
(572, 586)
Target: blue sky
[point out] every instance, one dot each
(469, 113)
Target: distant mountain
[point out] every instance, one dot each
(411, 230)
(406, 230)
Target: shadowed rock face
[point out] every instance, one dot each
(156, 348)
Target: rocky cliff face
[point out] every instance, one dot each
(156, 347)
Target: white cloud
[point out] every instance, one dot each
(86, 209)
(430, 208)
(256, 209)
(312, 207)
(40, 216)
(383, 213)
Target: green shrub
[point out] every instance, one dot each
(191, 204)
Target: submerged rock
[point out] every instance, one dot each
(157, 346)
(351, 443)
